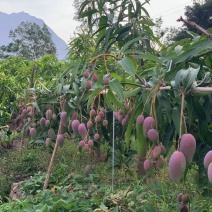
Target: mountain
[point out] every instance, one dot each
(12, 21)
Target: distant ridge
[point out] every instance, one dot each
(12, 21)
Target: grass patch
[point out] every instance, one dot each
(70, 189)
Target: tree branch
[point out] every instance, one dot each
(3, 127)
(193, 24)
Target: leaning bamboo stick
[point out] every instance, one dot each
(196, 90)
(3, 127)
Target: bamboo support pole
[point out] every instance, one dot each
(50, 167)
(196, 90)
(3, 127)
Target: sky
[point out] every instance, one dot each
(58, 14)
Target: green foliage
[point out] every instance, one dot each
(16, 166)
(200, 13)
(71, 190)
(16, 79)
(82, 41)
(119, 46)
(134, 64)
(6, 137)
(19, 166)
(29, 41)
(14, 72)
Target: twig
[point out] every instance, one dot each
(181, 118)
(102, 55)
(6, 126)
(50, 167)
(193, 24)
(139, 79)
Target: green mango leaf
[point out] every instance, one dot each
(130, 43)
(170, 75)
(51, 99)
(191, 77)
(107, 35)
(176, 118)
(144, 10)
(147, 22)
(39, 141)
(110, 17)
(88, 13)
(144, 56)
(123, 32)
(83, 83)
(90, 23)
(187, 55)
(164, 100)
(185, 78)
(122, 36)
(103, 207)
(198, 109)
(118, 77)
(108, 103)
(178, 79)
(116, 87)
(72, 104)
(116, 209)
(138, 109)
(126, 64)
(83, 5)
(35, 104)
(92, 95)
(114, 100)
(190, 110)
(132, 93)
(194, 50)
(66, 88)
(203, 128)
(203, 44)
(76, 88)
(59, 88)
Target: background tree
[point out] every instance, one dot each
(200, 13)
(30, 41)
(16, 78)
(165, 35)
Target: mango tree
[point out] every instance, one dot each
(159, 95)
(171, 84)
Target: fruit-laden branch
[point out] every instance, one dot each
(181, 118)
(102, 55)
(193, 24)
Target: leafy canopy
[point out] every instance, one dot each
(30, 41)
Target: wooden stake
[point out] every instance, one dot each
(51, 162)
(50, 167)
